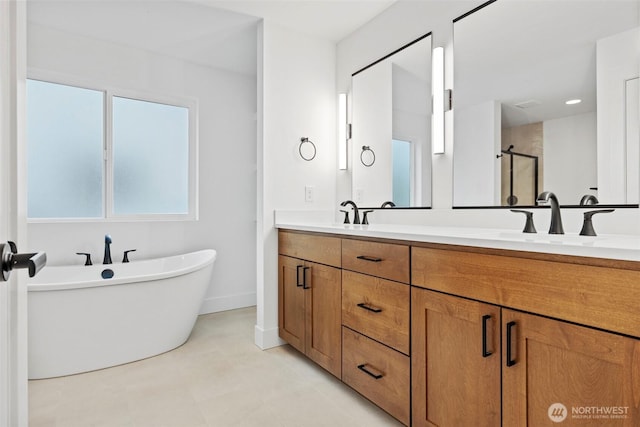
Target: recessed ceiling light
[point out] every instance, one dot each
(573, 101)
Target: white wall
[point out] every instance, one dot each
(570, 141)
(478, 136)
(227, 180)
(296, 98)
(372, 104)
(412, 122)
(616, 63)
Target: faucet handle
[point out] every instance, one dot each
(126, 255)
(346, 217)
(365, 220)
(528, 226)
(587, 225)
(88, 259)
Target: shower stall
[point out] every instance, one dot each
(520, 174)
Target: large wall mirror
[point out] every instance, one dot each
(546, 99)
(391, 134)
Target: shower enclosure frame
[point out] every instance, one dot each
(535, 172)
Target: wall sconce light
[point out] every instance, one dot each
(342, 131)
(437, 86)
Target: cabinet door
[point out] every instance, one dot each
(559, 372)
(323, 316)
(291, 301)
(455, 360)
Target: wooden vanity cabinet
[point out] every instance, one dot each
(440, 335)
(376, 318)
(455, 361)
(551, 361)
(309, 295)
(535, 361)
(458, 377)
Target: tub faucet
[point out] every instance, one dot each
(107, 250)
(356, 215)
(556, 220)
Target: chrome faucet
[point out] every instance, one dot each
(588, 199)
(556, 220)
(389, 204)
(107, 250)
(356, 215)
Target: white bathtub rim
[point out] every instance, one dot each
(129, 279)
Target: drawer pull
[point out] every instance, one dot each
(510, 360)
(367, 307)
(369, 258)
(368, 372)
(485, 352)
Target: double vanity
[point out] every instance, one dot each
(444, 326)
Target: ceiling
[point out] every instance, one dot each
(328, 19)
(219, 34)
(543, 54)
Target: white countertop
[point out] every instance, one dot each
(602, 246)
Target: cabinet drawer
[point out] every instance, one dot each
(602, 297)
(311, 247)
(377, 372)
(377, 308)
(386, 260)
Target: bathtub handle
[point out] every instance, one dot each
(125, 258)
(10, 260)
(87, 259)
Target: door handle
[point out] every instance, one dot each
(298, 268)
(10, 260)
(485, 351)
(304, 278)
(510, 338)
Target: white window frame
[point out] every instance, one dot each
(110, 91)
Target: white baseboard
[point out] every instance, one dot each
(230, 302)
(267, 338)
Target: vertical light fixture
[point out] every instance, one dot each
(342, 131)
(437, 86)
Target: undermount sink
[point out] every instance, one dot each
(570, 239)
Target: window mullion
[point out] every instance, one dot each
(108, 155)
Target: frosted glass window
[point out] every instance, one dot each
(65, 127)
(150, 158)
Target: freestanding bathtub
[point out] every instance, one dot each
(80, 322)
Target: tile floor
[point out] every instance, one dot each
(218, 378)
